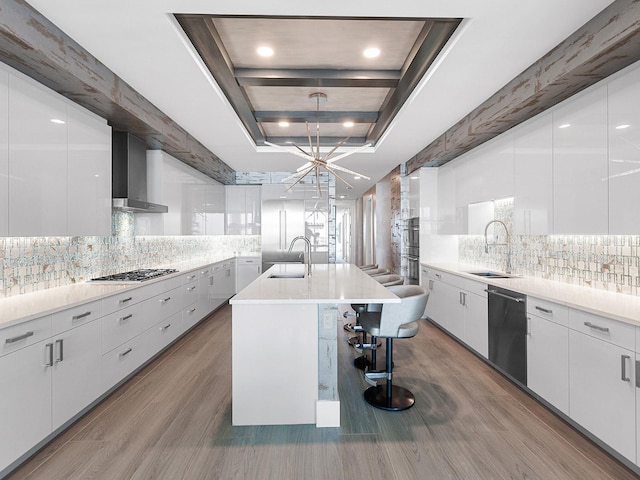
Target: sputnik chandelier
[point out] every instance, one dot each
(315, 161)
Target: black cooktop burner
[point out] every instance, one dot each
(136, 275)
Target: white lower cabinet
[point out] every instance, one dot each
(247, 270)
(548, 361)
(459, 305)
(602, 394)
(25, 401)
(76, 371)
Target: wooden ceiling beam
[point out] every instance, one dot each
(604, 45)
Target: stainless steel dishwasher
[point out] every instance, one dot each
(508, 332)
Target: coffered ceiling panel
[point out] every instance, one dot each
(316, 55)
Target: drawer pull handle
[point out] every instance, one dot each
(165, 300)
(623, 367)
(545, 310)
(165, 327)
(125, 300)
(191, 277)
(126, 352)
(124, 319)
(438, 275)
(596, 327)
(60, 345)
(637, 373)
(49, 354)
(204, 272)
(192, 310)
(528, 326)
(191, 289)
(81, 315)
(19, 337)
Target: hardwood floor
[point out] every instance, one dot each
(173, 421)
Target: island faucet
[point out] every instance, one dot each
(507, 244)
(307, 249)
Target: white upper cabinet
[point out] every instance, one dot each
(4, 153)
(533, 174)
(89, 173)
(580, 188)
(37, 160)
(624, 154)
(243, 209)
(448, 221)
(215, 205)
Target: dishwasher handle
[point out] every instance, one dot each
(509, 297)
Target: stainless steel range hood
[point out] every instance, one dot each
(129, 175)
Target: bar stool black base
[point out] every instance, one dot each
(400, 399)
(361, 362)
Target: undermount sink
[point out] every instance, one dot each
(491, 274)
(286, 275)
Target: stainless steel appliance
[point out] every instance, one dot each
(413, 251)
(508, 332)
(282, 221)
(129, 175)
(135, 276)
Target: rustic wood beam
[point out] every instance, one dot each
(607, 43)
(32, 44)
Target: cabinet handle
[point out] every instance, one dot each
(204, 272)
(508, 297)
(190, 277)
(125, 300)
(637, 374)
(529, 326)
(126, 352)
(438, 275)
(248, 261)
(544, 310)
(259, 269)
(191, 289)
(19, 337)
(165, 327)
(597, 327)
(623, 367)
(165, 300)
(124, 319)
(228, 272)
(49, 354)
(60, 348)
(192, 310)
(81, 315)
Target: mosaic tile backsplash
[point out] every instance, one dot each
(37, 263)
(607, 262)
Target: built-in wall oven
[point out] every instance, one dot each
(413, 251)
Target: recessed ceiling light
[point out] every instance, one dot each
(283, 123)
(371, 52)
(348, 124)
(565, 125)
(357, 178)
(265, 51)
(621, 127)
(58, 121)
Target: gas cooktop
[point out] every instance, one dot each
(136, 275)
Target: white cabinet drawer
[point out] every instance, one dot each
(191, 315)
(190, 293)
(162, 334)
(190, 277)
(76, 316)
(124, 299)
(553, 312)
(248, 260)
(121, 361)
(24, 334)
(121, 326)
(163, 306)
(618, 333)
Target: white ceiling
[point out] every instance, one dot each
(140, 41)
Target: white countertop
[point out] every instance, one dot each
(625, 308)
(328, 283)
(20, 308)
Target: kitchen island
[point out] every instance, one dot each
(284, 342)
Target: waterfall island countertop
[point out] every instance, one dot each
(284, 342)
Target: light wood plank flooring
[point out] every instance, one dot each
(173, 421)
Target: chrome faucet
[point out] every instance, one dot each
(507, 244)
(307, 248)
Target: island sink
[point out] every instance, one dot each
(286, 275)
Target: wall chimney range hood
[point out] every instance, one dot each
(129, 175)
